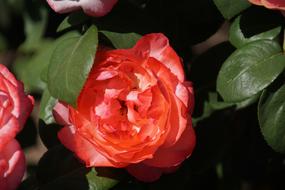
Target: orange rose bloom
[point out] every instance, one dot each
(270, 4)
(133, 111)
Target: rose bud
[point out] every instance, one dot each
(134, 111)
(15, 107)
(95, 8)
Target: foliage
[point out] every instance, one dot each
(239, 86)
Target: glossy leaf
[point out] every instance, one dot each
(249, 70)
(122, 40)
(29, 70)
(44, 73)
(237, 38)
(230, 8)
(99, 183)
(70, 65)
(271, 114)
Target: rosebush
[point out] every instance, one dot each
(133, 111)
(114, 105)
(15, 108)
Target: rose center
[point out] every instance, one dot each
(124, 108)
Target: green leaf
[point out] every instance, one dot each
(44, 72)
(70, 65)
(35, 25)
(218, 105)
(122, 40)
(249, 70)
(99, 183)
(230, 8)
(271, 114)
(29, 70)
(238, 40)
(247, 102)
(46, 106)
(59, 169)
(72, 20)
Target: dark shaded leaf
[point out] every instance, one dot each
(122, 40)
(58, 169)
(271, 114)
(72, 20)
(237, 38)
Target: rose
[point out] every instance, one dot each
(91, 7)
(15, 107)
(270, 4)
(133, 111)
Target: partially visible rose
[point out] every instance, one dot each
(270, 4)
(91, 7)
(15, 107)
(134, 111)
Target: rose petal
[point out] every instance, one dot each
(22, 104)
(159, 48)
(90, 7)
(61, 114)
(15, 158)
(256, 2)
(173, 156)
(8, 75)
(191, 100)
(82, 148)
(9, 129)
(98, 7)
(274, 4)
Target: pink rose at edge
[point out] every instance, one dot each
(15, 107)
(270, 4)
(95, 8)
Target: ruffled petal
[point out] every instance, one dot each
(158, 47)
(8, 75)
(82, 148)
(274, 4)
(173, 156)
(61, 113)
(256, 2)
(9, 129)
(98, 7)
(90, 7)
(15, 159)
(22, 104)
(64, 6)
